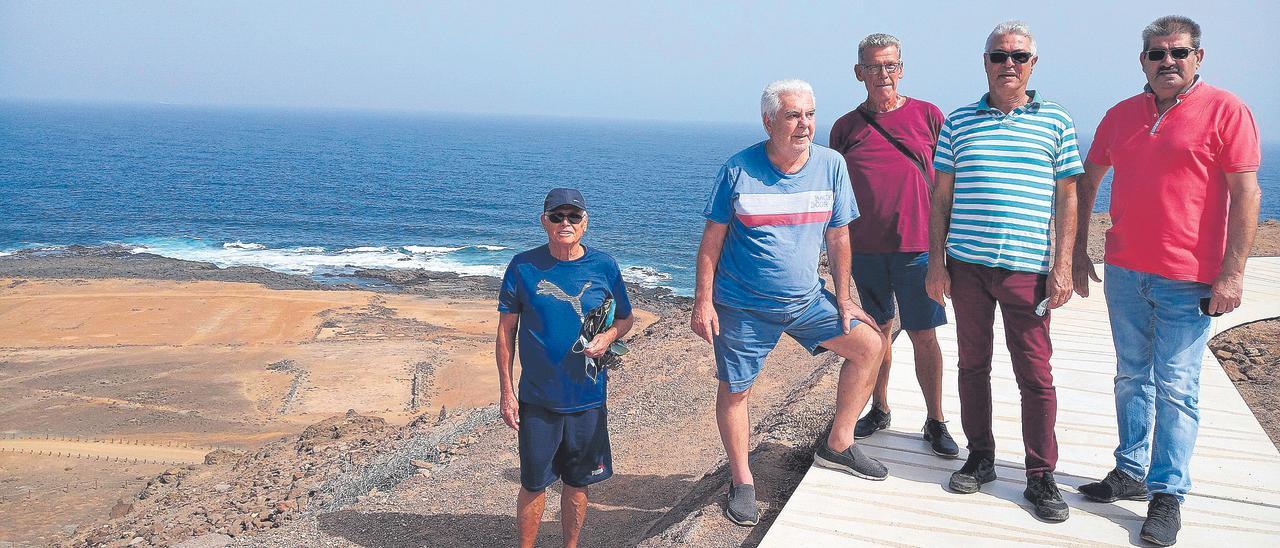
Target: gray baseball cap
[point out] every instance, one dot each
(562, 197)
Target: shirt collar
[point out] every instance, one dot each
(1032, 105)
(1146, 88)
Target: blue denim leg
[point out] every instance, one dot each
(1132, 331)
(1182, 332)
(1160, 336)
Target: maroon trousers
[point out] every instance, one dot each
(975, 290)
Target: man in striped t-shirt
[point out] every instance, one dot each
(1006, 167)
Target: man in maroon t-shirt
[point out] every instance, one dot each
(888, 144)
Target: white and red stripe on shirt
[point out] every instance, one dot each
(796, 208)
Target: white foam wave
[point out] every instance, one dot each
(491, 247)
(645, 276)
(242, 245)
(431, 250)
(4, 253)
(309, 261)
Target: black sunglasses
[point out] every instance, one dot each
(999, 57)
(557, 218)
(1177, 53)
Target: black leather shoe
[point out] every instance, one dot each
(875, 420)
(1043, 492)
(1164, 519)
(1117, 485)
(979, 469)
(935, 432)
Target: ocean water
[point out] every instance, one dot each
(323, 193)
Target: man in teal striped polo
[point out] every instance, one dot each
(1006, 168)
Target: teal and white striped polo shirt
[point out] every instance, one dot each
(1005, 167)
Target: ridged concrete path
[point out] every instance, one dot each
(1235, 499)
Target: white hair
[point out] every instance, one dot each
(771, 99)
(877, 41)
(1011, 27)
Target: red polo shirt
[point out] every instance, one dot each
(1169, 190)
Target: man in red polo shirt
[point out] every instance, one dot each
(1184, 204)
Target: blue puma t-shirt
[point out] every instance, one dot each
(552, 296)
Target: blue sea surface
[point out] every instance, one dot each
(323, 193)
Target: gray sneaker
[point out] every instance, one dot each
(851, 460)
(742, 508)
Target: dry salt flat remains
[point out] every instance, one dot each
(1235, 499)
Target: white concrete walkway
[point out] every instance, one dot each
(1235, 500)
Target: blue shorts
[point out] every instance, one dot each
(573, 447)
(882, 276)
(747, 336)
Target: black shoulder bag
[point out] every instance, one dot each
(871, 121)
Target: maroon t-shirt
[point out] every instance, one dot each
(892, 196)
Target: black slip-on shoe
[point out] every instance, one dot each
(977, 470)
(1117, 485)
(1164, 519)
(1043, 492)
(940, 441)
(742, 508)
(851, 460)
(874, 421)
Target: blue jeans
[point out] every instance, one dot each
(1160, 336)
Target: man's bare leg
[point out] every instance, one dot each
(862, 350)
(529, 507)
(928, 370)
(735, 431)
(573, 513)
(880, 397)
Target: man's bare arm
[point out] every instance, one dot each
(839, 260)
(705, 322)
(1242, 226)
(1064, 216)
(938, 281)
(1082, 269)
(504, 354)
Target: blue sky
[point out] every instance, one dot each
(697, 61)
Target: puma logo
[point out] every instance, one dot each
(548, 288)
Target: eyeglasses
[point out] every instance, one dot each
(557, 218)
(999, 57)
(888, 68)
(1177, 53)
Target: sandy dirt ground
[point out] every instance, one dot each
(141, 370)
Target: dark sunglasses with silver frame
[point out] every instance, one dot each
(999, 57)
(1176, 53)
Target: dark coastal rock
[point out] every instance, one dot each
(114, 261)
(432, 283)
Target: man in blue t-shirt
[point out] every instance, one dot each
(560, 415)
(773, 206)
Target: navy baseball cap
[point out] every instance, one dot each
(562, 197)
